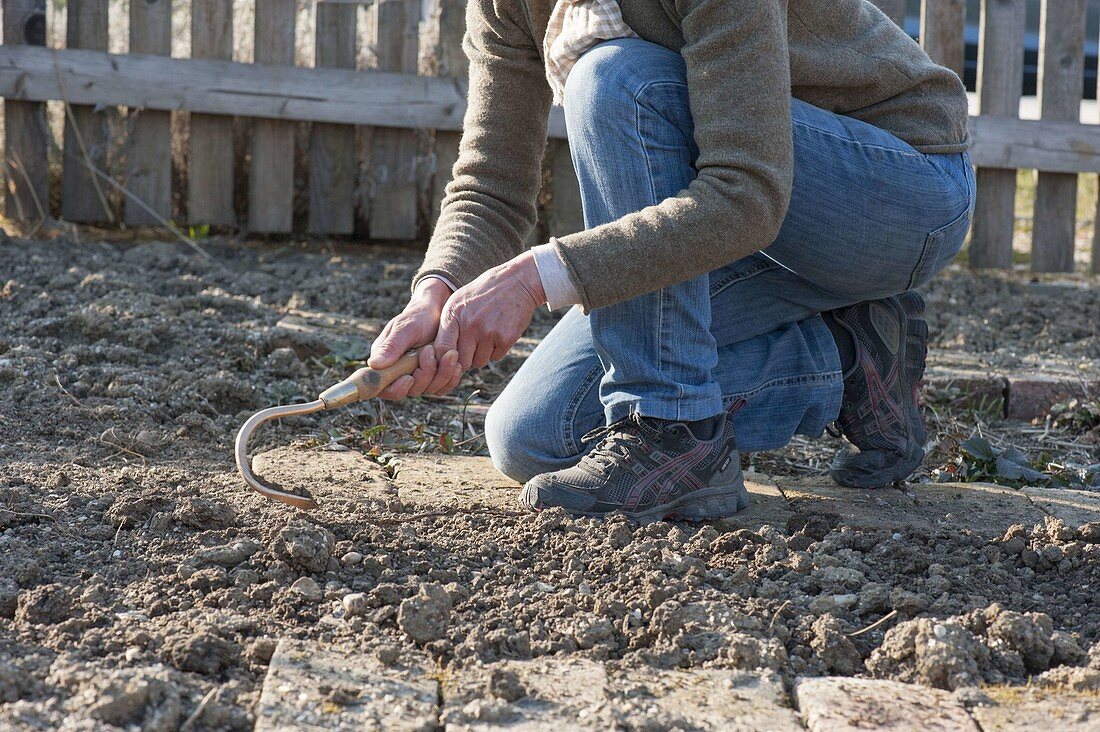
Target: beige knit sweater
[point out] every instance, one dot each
(745, 59)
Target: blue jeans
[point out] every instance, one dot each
(869, 217)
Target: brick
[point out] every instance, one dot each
(1031, 396)
(835, 704)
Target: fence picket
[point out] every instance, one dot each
(333, 161)
(452, 63)
(86, 133)
(26, 134)
(942, 24)
(271, 177)
(1000, 85)
(149, 152)
(210, 167)
(894, 9)
(1061, 70)
(394, 204)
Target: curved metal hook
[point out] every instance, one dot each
(244, 463)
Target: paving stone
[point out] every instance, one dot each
(983, 508)
(311, 685)
(883, 508)
(1025, 709)
(768, 506)
(317, 334)
(553, 694)
(703, 699)
(461, 481)
(329, 476)
(542, 694)
(1072, 507)
(840, 704)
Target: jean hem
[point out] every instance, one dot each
(671, 409)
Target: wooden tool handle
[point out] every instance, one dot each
(371, 382)
(367, 383)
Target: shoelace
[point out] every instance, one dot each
(616, 440)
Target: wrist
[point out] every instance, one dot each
(434, 290)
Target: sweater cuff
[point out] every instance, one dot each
(439, 277)
(556, 282)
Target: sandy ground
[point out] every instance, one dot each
(139, 578)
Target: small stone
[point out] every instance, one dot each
(425, 616)
(355, 604)
(351, 559)
(308, 588)
(846, 601)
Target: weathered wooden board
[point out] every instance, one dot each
(1000, 85)
(86, 134)
(1059, 147)
(310, 685)
(452, 63)
(271, 178)
(849, 705)
(26, 134)
(942, 23)
(394, 199)
(1061, 69)
(149, 149)
(333, 162)
(210, 168)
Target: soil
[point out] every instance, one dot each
(142, 585)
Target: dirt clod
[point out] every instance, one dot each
(425, 616)
(44, 605)
(202, 652)
(305, 546)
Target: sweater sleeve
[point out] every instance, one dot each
(739, 88)
(488, 209)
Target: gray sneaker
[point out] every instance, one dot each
(648, 470)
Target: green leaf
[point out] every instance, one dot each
(979, 448)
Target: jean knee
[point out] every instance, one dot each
(512, 454)
(604, 83)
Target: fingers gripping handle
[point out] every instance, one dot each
(367, 382)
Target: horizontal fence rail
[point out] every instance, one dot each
(378, 143)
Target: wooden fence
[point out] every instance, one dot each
(377, 144)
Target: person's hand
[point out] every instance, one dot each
(484, 319)
(417, 325)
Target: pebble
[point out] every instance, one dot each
(355, 603)
(351, 559)
(307, 588)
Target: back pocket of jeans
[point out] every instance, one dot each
(940, 247)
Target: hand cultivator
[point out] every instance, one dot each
(363, 384)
